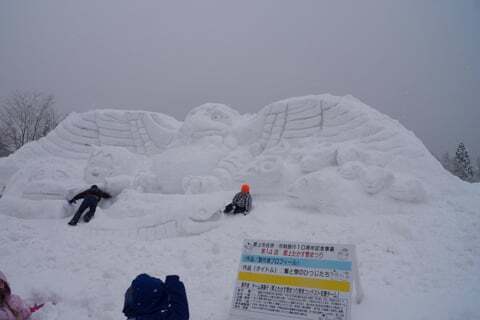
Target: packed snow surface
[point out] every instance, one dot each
(321, 169)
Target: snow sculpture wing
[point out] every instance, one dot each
(139, 132)
(343, 134)
(335, 120)
(294, 118)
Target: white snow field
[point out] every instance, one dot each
(321, 169)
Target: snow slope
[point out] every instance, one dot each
(321, 168)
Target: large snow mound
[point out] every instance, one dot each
(310, 150)
(321, 168)
(216, 148)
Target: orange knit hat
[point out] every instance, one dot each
(245, 188)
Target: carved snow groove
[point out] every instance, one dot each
(75, 130)
(87, 121)
(106, 122)
(304, 133)
(150, 124)
(164, 230)
(380, 136)
(354, 122)
(336, 112)
(300, 109)
(291, 122)
(67, 145)
(304, 115)
(159, 231)
(55, 150)
(306, 123)
(345, 119)
(78, 139)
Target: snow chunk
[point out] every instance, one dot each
(408, 190)
(374, 179)
(352, 170)
(319, 190)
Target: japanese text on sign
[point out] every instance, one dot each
(293, 281)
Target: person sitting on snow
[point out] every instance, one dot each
(149, 298)
(241, 203)
(12, 306)
(90, 197)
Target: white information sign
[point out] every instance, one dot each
(293, 280)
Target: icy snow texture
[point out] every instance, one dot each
(361, 177)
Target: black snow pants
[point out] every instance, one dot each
(229, 209)
(89, 202)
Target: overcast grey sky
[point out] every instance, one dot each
(417, 61)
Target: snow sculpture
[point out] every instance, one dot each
(308, 148)
(214, 134)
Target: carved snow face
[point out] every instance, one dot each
(211, 119)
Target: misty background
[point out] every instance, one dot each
(417, 61)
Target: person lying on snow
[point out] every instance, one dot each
(12, 306)
(149, 298)
(90, 197)
(241, 203)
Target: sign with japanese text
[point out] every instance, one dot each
(293, 280)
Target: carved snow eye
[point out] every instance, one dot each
(217, 116)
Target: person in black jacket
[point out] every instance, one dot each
(149, 298)
(241, 202)
(90, 197)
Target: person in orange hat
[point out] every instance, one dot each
(241, 203)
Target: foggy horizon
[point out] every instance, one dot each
(416, 62)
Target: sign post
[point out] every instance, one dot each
(294, 280)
